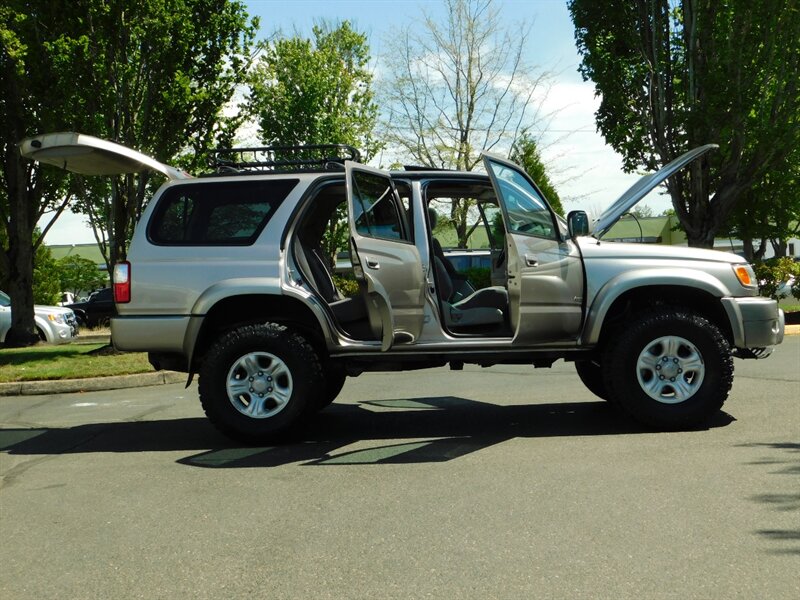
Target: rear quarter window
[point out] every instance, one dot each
(217, 214)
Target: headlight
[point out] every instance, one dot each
(745, 275)
(58, 318)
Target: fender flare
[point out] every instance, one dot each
(623, 283)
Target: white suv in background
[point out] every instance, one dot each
(54, 324)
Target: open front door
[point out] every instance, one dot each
(545, 271)
(385, 259)
(89, 155)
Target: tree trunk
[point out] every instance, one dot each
(20, 255)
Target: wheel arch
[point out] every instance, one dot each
(612, 311)
(244, 309)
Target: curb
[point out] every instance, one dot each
(94, 384)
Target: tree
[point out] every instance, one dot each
(132, 72)
(35, 91)
(158, 85)
(770, 210)
(317, 91)
(458, 88)
(677, 74)
(79, 274)
(525, 152)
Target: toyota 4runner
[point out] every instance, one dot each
(226, 278)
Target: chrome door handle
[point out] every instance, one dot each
(372, 263)
(531, 260)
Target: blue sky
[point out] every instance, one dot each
(587, 173)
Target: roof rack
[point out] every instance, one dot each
(277, 158)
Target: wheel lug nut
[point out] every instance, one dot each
(260, 373)
(252, 390)
(261, 395)
(661, 377)
(680, 370)
(269, 389)
(269, 378)
(658, 367)
(672, 379)
(675, 360)
(250, 379)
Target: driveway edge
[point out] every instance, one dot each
(94, 384)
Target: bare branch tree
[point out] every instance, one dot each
(459, 87)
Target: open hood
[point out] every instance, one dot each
(89, 155)
(643, 187)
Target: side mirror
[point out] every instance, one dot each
(577, 223)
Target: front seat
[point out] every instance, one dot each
(484, 307)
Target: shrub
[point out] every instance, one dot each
(346, 284)
(772, 273)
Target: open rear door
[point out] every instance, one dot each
(89, 155)
(384, 256)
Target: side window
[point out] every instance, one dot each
(526, 211)
(225, 213)
(376, 213)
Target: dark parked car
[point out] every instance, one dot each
(97, 310)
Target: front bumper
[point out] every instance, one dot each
(755, 322)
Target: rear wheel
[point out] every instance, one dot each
(669, 369)
(258, 381)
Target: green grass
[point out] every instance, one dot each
(72, 361)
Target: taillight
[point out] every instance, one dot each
(122, 282)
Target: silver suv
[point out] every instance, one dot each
(227, 279)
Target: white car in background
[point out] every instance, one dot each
(55, 324)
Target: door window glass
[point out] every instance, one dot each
(225, 213)
(375, 209)
(525, 209)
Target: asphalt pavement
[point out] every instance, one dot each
(505, 482)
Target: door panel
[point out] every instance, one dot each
(545, 272)
(385, 259)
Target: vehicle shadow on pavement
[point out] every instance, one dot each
(412, 430)
(782, 458)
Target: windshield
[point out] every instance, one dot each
(5, 300)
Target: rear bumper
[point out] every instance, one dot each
(149, 334)
(755, 322)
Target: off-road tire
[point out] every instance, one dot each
(697, 342)
(299, 366)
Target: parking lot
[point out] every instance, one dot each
(506, 482)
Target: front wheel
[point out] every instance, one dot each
(670, 369)
(257, 381)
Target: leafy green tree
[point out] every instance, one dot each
(677, 74)
(34, 86)
(159, 76)
(150, 75)
(769, 213)
(525, 153)
(79, 274)
(316, 91)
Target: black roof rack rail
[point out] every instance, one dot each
(423, 168)
(276, 158)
